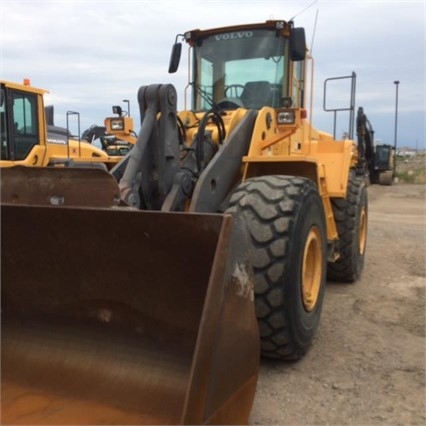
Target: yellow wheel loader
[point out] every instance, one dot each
(226, 217)
(27, 138)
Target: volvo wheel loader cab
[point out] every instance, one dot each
(27, 139)
(236, 194)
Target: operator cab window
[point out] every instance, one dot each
(298, 84)
(240, 69)
(24, 123)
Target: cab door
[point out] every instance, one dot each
(21, 128)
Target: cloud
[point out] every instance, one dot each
(93, 54)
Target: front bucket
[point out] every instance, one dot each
(118, 316)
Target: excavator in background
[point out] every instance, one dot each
(29, 137)
(378, 159)
(230, 215)
(384, 172)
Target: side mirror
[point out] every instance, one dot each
(297, 44)
(175, 58)
(50, 115)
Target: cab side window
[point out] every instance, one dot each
(4, 154)
(25, 125)
(298, 84)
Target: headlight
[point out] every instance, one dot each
(286, 117)
(117, 124)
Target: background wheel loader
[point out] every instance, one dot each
(228, 217)
(28, 136)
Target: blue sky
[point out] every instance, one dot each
(91, 54)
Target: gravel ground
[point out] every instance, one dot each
(367, 365)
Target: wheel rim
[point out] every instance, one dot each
(312, 269)
(362, 231)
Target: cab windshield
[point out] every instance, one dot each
(240, 69)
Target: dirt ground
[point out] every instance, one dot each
(367, 364)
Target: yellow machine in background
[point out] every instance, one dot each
(25, 140)
(230, 215)
(121, 126)
(117, 137)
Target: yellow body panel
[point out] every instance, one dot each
(79, 150)
(297, 149)
(54, 153)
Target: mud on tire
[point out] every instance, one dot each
(285, 219)
(350, 214)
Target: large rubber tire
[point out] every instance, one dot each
(351, 214)
(285, 219)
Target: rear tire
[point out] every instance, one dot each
(286, 223)
(351, 215)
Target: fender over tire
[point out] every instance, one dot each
(285, 219)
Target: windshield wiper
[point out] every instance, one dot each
(205, 95)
